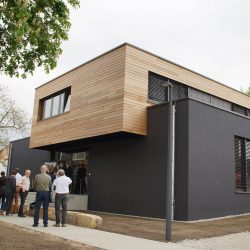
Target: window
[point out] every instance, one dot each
(242, 164)
(238, 109)
(216, 101)
(56, 104)
(199, 95)
(47, 108)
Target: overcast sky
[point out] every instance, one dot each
(211, 37)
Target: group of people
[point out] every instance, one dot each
(15, 185)
(11, 188)
(42, 186)
(78, 174)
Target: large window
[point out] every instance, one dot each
(56, 104)
(242, 164)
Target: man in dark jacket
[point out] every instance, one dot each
(10, 190)
(2, 190)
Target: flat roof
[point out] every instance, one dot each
(138, 48)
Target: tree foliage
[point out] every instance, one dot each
(247, 91)
(13, 120)
(31, 33)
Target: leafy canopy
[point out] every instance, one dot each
(31, 33)
(247, 91)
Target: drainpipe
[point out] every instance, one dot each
(169, 166)
(173, 162)
(9, 159)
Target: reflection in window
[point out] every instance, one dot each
(47, 108)
(56, 104)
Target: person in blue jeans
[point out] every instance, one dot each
(42, 183)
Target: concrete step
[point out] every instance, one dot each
(75, 202)
(31, 197)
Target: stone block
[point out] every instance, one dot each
(88, 220)
(73, 218)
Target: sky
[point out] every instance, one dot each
(211, 37)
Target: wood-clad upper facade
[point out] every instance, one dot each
(109, 94)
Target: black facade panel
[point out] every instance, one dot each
(128, 175)
(211, 190)
(24, 158)
(181, 161)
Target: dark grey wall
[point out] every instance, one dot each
(128, 175)
(24, 158)
(211, 189)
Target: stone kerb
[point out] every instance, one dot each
(73, 218)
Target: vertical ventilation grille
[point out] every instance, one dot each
(155, 91)
(160, 94)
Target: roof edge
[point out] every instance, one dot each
(162, 58)
(150, 53)
(105, 53)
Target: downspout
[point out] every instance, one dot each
(173, 162)
(9, 159)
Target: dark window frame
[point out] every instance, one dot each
(242, 164)
(62, 94)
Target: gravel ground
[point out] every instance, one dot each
(239, 241)
(155, 229)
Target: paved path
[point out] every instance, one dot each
(239, 241)
(97, 238)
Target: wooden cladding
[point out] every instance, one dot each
(97, 90)
(110, 94)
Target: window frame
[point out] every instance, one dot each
(60, 109)
(244, 160)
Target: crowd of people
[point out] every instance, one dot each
(11, 188)
(15, 186)
(78, 174)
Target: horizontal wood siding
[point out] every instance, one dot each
(97, 93)
(110, 94)
(139, 63)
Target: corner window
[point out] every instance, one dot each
(242, 164)
(56, 104)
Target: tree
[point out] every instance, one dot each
(13, 120)
(247, 91)
(31, 33)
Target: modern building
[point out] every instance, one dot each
(109, 116)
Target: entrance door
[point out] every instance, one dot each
(76, 167)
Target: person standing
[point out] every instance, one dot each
(10, 190)
(2, 190)
(61, 185)
(42, 183)
(18, 186)
(25, 186)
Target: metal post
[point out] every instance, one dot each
(169, 177)
(169, 195)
